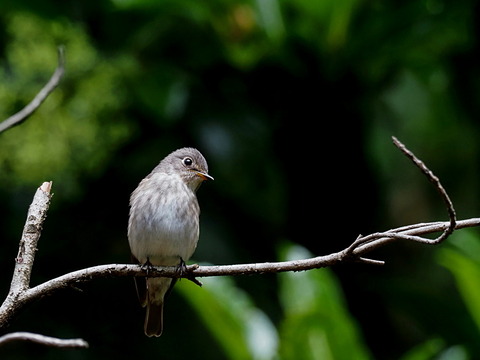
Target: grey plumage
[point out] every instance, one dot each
(163, 227)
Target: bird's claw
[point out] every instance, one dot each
(183, 272)
(147, 266)
(181, 269)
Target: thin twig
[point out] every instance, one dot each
(436, 181)
(28, 110)
(42, 339)
(365, 244)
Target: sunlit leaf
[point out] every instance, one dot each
(425, 351)
(463, 260)
(317, 324)
(243, 331)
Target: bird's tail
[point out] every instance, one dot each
(157, 290)
(154, 319)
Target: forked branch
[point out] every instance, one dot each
(21, 294)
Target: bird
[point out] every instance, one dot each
(163, 226)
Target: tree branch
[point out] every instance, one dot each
(352, 253)
(30, 236)
(20, 284)
(42, 339)
(21, 294)
(28, 110)
(430, 176)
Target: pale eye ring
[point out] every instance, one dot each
(187, 161)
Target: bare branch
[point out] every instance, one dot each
(42, 339)
(430, 176)
(73, 279)
(37, 213)
(30, 236)
(21, 294)
(28, 110)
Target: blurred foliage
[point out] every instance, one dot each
(316, 322)
(71, 134)
(293, 103)
(242, 330)
(462, 258)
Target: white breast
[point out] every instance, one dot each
(164, 224)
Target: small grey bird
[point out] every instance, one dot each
(163, 228)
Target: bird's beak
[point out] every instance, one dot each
(204, 176)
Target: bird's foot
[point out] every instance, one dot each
(181, 269)
(183, 272)
(147, 266)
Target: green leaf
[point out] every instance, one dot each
(462, 258)
(243, 331)
(427, 350)
(317, 324)
(457, 352)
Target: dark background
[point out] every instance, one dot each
(293, 104)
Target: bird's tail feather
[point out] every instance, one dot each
(154, 319)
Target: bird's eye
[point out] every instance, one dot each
(187, 161)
